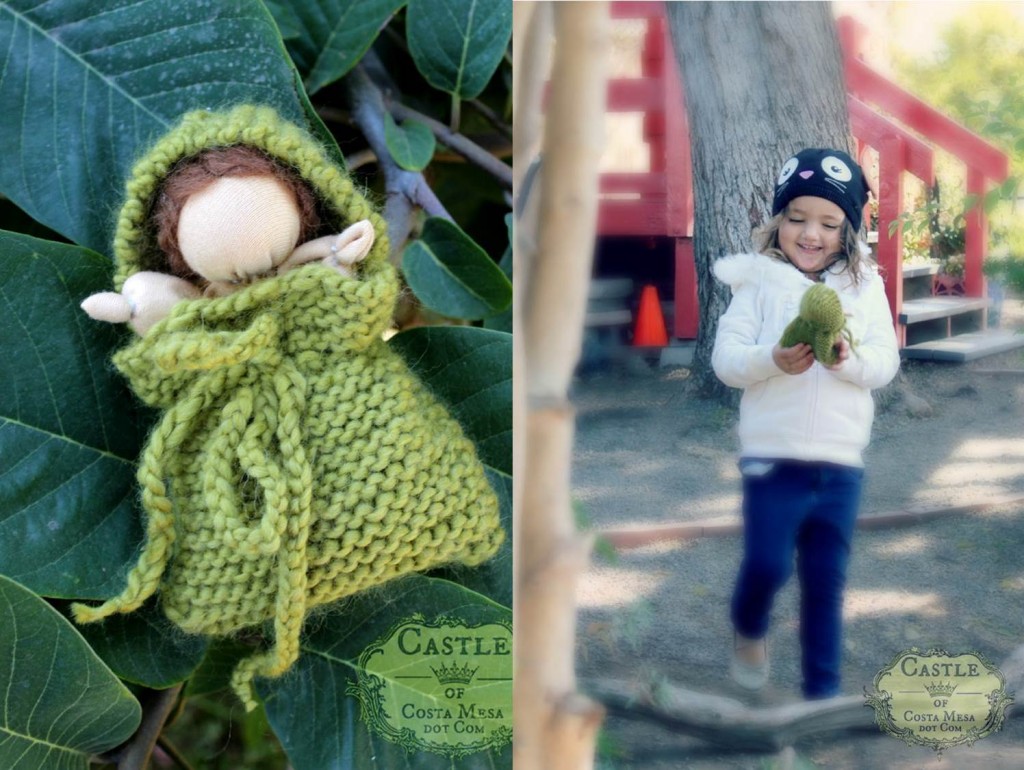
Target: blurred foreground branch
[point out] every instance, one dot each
(555, 727)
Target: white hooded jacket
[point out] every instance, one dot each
(821, 415)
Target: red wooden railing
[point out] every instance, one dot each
(898, 151)
(985, 163)
(660, 201)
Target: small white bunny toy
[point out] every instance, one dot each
(231, 233)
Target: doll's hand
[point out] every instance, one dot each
(793, 360)
(339, 251)
(351, 246)
(842, 348)
(145, 299)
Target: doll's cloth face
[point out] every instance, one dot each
(238, 228)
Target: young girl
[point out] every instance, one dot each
(802, 425)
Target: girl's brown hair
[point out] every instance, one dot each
(194, 174)
(851, 256)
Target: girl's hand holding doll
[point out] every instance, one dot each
(793, 360)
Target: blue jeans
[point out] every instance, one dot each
(809, 509)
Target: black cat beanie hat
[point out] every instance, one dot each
(823, 173)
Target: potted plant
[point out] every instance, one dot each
(948, 248)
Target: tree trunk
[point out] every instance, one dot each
(555, 727)
(762, 81)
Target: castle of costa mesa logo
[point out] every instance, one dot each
(939, 700)
(443, 686)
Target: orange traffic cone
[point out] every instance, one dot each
(650, 323)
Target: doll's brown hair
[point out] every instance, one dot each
(194, 174)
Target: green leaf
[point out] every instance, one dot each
(334, 35)
(58, 703)
(411, 144)
(458, 44)
(144, 647)
(215, 670)
(319, 725)
(288, 22)
(69, 435)
(86, 86)
(452, 275)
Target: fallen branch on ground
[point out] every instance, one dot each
(728, 722)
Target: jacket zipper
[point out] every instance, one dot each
(816, 367)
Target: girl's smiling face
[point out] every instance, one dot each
(809, 233)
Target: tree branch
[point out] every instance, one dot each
(174, 752)
(726, 721)
(360, 158)
(554, 726)
(492, 117)
(458, 142)
(485, 146)
(405, 189)
(139, 749)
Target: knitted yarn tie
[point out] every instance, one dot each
(298, 461)
(819, 324)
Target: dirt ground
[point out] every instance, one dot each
(649, 451)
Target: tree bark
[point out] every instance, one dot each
(555, 727)
(762, 81)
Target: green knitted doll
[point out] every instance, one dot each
(297, 459)
(819, 324)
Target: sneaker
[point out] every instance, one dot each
(749, 676)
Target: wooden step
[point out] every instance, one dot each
(620, 317)
(920, 269)
(966, 347)
(930, 308)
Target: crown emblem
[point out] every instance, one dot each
(454, 674)
(938, 689)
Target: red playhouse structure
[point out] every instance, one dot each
(658, 204)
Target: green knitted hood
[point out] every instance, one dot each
(255, 126)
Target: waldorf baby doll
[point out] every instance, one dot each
(297, 459)
(225, 218)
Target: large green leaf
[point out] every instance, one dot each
(288, 23)
(69, 435)
(457, 44)
(451, 274)
(215, 670)
(86, 86)
(145, 648)
(333, 35)
(58, 703)
(319, 725)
